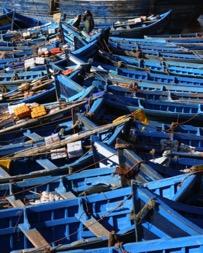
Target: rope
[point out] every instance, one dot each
(176, 124)
(106, 45)
(18, 220)
(126, 172)
(99, 75)
(190, 119)
(143, 212)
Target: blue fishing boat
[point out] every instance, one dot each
(71, 87)
(179, 35)
(159, 78)
(167, 111)
(143, 171)
(31, 37)
(137, 27)
(102, 112)
(16, 54)
(12, 20)
(178, 188)
(160, 45)
(126, 84)
(187, 41)
(124, 157)
(72, 35)
(175, 68)
(30, 138)
(23, 47)
(147, 47)
(77, 41)
(82, 183)
(189, 243)
(163, 95)
(99, 79)
(178, 39)
(79, 83)
(156, 132)
(114, 207)
(167, 54)
(40, 90)
(153, 44)
(41, 165)
(147, 42)
(56, 113)
(22, 75)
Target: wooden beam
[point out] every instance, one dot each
(15, 202)
(67, 195)
(96, 228)
(90, 222)
(37, 240)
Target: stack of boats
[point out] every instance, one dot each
(100, 140)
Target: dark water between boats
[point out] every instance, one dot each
(197, 27)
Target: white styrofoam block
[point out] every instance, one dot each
(26, 34)
(39, 60)
(29, 63)
(74, 149)
(50, 139)
(44, 49)
(58, 153)
(55, 137)
(51, 31)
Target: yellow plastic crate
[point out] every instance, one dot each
(38, 111)
(22, 111)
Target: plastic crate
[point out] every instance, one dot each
(22, 111)
(38, 111)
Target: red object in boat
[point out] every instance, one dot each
(55, 50)
(67, 72)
